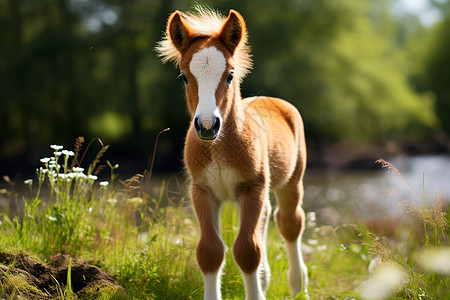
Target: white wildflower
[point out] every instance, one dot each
(42, 170)
(56, 147)
(383, 282)
(435, 260)
(57, 153)
(68, 153)
(28, 182)
(52, 165)
(78, 169)
(92, 177)
(311, 217)
(143, 237)
(112, 200)
(178, 241)
(104, 183)
(136, 200)
(45, 160)
(51, 218)
(77, 175)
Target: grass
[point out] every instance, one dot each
(149, 248)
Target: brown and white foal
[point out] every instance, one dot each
(237, 149)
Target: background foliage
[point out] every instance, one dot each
(356, 71)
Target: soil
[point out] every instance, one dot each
(43, 281)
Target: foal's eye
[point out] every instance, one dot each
(183, 77)
(230, 77)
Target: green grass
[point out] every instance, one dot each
(150, 249)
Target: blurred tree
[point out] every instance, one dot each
(78, 67)
(338, 61)
(436, 72)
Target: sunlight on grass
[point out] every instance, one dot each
(149, 248)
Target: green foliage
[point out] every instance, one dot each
(88, 68)
(145, 246)
(340, 65)
(437, 74)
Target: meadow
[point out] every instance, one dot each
(146, 242)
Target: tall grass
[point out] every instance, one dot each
(116, 225)
(416, 266)
(149, 248)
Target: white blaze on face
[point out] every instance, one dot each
(207, 66)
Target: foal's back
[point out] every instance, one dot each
(279, 123)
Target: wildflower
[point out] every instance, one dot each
(56, 147)
(385, 280)
(51, 218)
(136, 200)
(45, 160)
(80, 175)
(104, 183)
(78, 169)
(68, 153)
(311, 217)
(92, 177)
(53, 165)
(112, 200)
(77, 175)
(57, 153)
(178, 241)
(435, 260)
(28, 182)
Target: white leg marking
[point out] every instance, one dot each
(298, 273)
(207, 66)
(264, 268)
(211, 283)
(253, 290)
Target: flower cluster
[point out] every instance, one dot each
(60, 173)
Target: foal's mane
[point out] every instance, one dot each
(205, 22)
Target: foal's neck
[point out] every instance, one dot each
(236, 115)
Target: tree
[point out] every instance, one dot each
(436, 72)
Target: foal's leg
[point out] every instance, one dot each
(210, 248)
(290, 219)
(264, 268)
(249, 247)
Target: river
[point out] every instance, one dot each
(344, 196)
(367, 194)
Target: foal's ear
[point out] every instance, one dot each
(233, 30)
(178, 31)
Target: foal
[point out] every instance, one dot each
(237, 150)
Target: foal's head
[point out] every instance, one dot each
(212, 55)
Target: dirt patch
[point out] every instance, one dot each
(20, 274)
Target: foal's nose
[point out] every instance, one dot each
(207, 132)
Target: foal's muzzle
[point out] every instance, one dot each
(207, 134)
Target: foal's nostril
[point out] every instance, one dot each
(216, 125)
(207, 133)
(197, 124)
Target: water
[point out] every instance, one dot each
(343, 196)
(377, 193)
